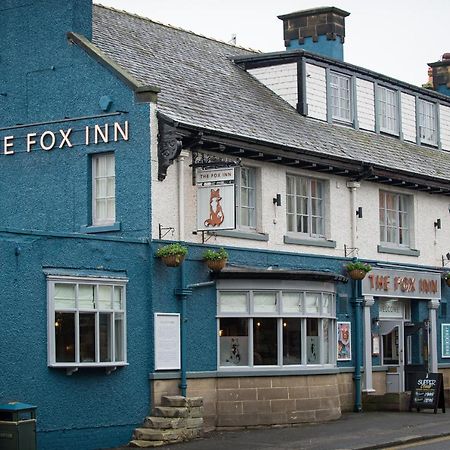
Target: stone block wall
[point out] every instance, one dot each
(231, 402)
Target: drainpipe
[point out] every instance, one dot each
(183, 294)
(357, 299)
(358, 302)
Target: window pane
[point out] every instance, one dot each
(265, 302)
(65, 337)
(104, 297)
(86, 296)
(87, 337)
(312, 341)
(118, 297)
(312, 302)
(291, 302)
(233, 342)
(119, 334)
(265, 342)
(64, 296)
(233, 302)
(327, 304)
(105, 337)
(291, 341)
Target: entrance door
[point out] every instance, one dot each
(392, 353)
(416, 352)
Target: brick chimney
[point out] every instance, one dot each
(318, 30)
(441, 74)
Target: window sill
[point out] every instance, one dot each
(73, 367)
(276, 371)
(101, 228)
(319, 242)
(398, 250)
(239, 234)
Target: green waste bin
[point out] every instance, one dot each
(17, 426)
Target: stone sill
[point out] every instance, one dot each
(398, 250)
(312, 242)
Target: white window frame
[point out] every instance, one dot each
(388, 112)
(97, 309)
(280, 316)
(398, 212)
(111, 219)
(250, 209)
(296, 197)
(339, 94)
(427, 120)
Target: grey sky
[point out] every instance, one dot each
(394, 37)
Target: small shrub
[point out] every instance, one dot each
(358, 265)
(215, 255)
(171, 249)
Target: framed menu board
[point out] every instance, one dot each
(445, 340)
(428, 392)
(167, 341)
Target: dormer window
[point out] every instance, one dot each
(387, 110)
(427, 122)
(340, 89)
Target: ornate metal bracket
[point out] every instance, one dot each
(348, 251)
(166, 231)
(169, 146)
(211, 162)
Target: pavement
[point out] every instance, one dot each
(366, 430)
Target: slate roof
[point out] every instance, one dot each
(201, 86)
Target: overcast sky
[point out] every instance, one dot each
(393, 37)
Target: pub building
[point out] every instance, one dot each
(120, 135)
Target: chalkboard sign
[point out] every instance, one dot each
(428, 392)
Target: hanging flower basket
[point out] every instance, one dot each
(172, 255)
(216, 260)
(357, 274)
(447, 279)
(172, 260)
(216, 265)
(357, 270)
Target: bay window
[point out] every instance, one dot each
(276, 328)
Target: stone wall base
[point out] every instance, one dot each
(239, 402)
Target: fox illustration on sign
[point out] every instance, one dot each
(216, 215)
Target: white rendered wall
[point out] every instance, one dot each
(365, 100)
(427, 208)
(281, 79)
(444, 114)
(408, 103)
(316, 91)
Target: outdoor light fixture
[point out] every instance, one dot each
(376, 322)
(277, 200)
(359, 212)
(437, 224)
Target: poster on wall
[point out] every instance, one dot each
(344, 344)
(445, 340)
(167, 341)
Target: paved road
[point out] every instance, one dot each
(429, 444)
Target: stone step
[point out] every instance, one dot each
(195, 412)
(170, 411)
(164, 423)
(145, 444)
(194, 401)
(149, 434)
(196, 422)
(174, 400)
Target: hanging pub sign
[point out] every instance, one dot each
(215, 207)
(402, 283)
(428, 392)
(215, 199)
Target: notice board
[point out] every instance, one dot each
(167, 341)
(428, 392)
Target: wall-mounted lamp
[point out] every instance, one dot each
(376, 322)
(437, 224)
(359, 212)
(444, 263)
(277, 200)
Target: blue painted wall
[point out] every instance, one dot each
(329, 48)
(45, 204)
